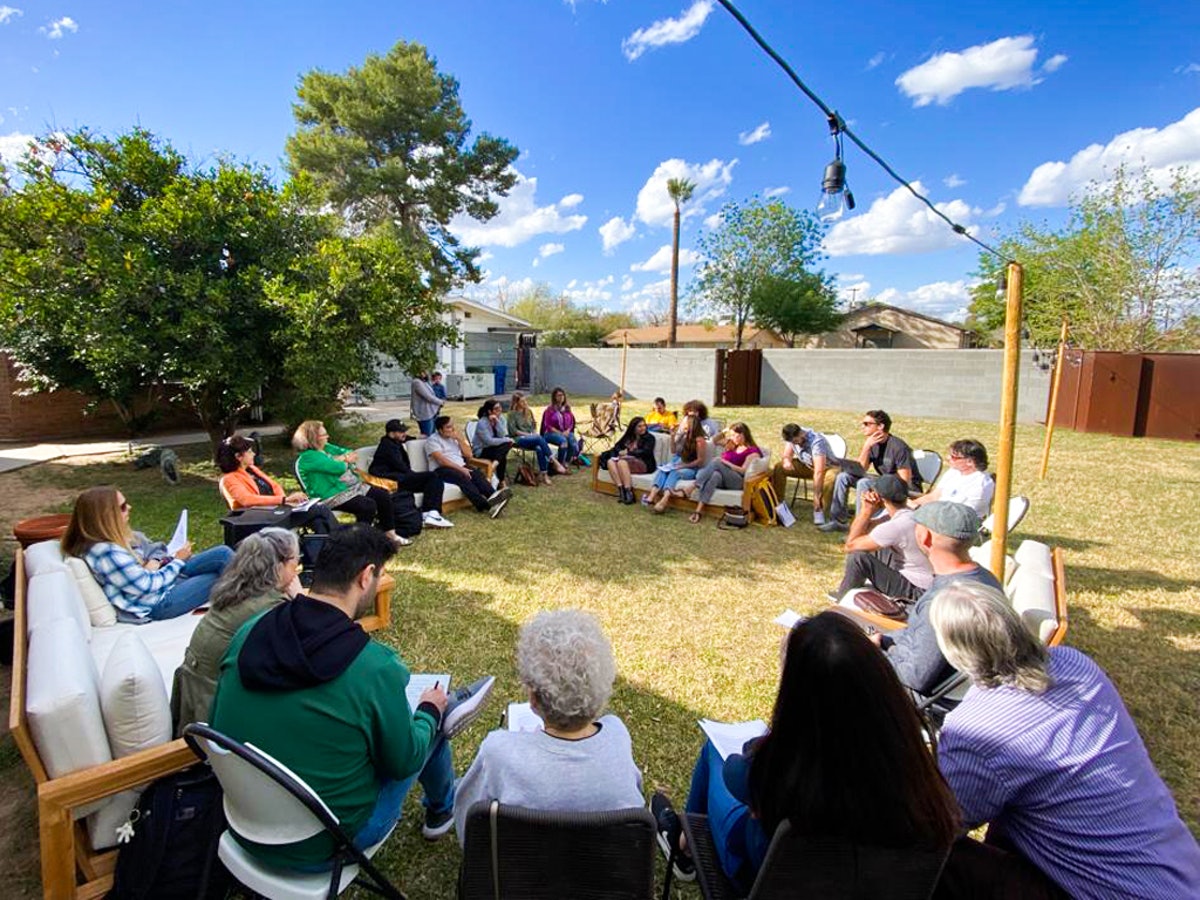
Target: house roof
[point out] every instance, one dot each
(472, 306)
(869, 309)
(684, 334)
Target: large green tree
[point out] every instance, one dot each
(128, 275)
(755, 241)
(386, 145)
(804, 303)
(562, 323)
(1123, 270)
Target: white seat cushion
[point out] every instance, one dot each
(982, 556)
(44, 556)
(100, 611)
(1036, 556)
(166, 641)
(53, 594)
(1032, 596)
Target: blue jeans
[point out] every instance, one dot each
(841, 493)
(437, 781)
(567, 444)
(538, 445)
(194, 583)
(666, 480)
(728, 817)
(426, 426)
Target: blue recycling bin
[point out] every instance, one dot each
(501, 372)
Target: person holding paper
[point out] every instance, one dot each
(581, 760)
(689, 446)
(142, 588)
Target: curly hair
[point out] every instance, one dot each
(254, 569)
(566, 662)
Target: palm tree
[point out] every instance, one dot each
(681, 191)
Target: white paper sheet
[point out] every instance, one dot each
(418, 682)
(179, 538)
(306, 505)
(730, 737)
(521, 717)
(788, 619)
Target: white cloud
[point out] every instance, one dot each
(519, 219)
(853, 289)
(953, 181)
(761, 133)
(1001, 65)
(498, 291)
(7, 13)
(615, 232)
(1189, 69)
(550, 249)
(485, 256)
(627, 283)
(876, 60)
(899, 223)
(667, 31)
(654, 204)
(1054, 63)
(589, 293)
(776, 191)
(651, 298)
(942, 299)
(1157, 149)
(13, 146)
(570, 201)
(712, 222)
(996, 210)
(56, 29)
(660, 262)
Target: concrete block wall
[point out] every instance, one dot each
(953, 384)
(675, 375)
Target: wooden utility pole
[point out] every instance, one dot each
(1008, 417)
(1055, 384)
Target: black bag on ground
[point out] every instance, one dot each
(172, 855)
(408, 517)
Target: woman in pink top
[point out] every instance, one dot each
(558, 426)
(729, 469)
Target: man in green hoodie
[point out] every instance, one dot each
(305, 683)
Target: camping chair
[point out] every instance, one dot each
(1017, 508)
(929, 467)
(837, 450)
(601, 429)
(525, 854)
(267, 803)
(829, 868)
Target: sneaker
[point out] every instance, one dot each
(437, 825)
(834, 597)
(645, 499)
(499, 496)
(833, 525)
(401, 541)
(669, 830)
(465, 705)
(434, 519)
(818, 518)
(499, 507)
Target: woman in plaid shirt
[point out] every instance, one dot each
(141, 588)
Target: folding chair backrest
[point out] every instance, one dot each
(837, 445)
(470, 430)
(839, 870)
(261, 802)
(929, 464)
(299, 477)
(544, 855)
(1017, 508)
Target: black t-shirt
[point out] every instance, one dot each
(894, 454)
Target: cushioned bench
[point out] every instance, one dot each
(756, 471)
(453, 497)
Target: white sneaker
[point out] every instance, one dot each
(819, 517)
(401, 541)
(434, 519)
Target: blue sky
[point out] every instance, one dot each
(999, 110)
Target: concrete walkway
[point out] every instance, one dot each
(18, 456)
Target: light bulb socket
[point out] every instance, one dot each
(834, 180)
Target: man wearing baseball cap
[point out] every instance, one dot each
(945, 531)
(391, 462)
(887, 554)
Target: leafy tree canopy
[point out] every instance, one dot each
(386, 145)
(755, 241)
(564, 324)
(1124, 270)
(805, 303)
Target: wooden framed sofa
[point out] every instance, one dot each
(757, 470)
(89, 712)
(453, 498)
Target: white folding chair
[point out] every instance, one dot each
(1017, 508)
(929, 466)
(267, 803)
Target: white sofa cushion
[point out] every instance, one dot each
(415, 447)
(1032, 596)
(55, 594)
(982, 556)
(165, 640)
(133, 698)
(1036, 556)
(44, 556)
(100, 611)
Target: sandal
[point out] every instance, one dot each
(695, 518)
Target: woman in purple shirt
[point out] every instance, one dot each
(558, 426)
(729, 469)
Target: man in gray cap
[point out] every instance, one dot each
(391, 462)
(945, 531)
(887, 554)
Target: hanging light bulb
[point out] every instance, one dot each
(835, 194)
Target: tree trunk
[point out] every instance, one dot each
(672, 313)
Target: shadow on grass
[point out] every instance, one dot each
(1054, 540)
(1108, 580)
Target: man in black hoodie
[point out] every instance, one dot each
(306, 684)
(391, 462)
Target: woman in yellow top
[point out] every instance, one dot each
(661, 418)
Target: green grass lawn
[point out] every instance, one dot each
(689, 608)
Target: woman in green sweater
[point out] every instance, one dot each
(261, 574)
(327, 471)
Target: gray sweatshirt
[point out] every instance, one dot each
(538, 771)
(424, 403)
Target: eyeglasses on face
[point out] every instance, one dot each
(125, 506)
(867, 423)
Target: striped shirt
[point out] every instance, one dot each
(125, 582)
(814, 445)
(1064, 776)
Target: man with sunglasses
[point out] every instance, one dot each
(881, 450)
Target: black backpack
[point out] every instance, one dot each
(408, 517)
(173, 852)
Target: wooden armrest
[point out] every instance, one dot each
(486, 466)
(98, 782)
(879, 623)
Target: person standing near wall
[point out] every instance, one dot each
(425, 403)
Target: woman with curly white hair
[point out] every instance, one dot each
(581, 761)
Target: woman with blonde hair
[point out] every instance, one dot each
(141, 580)
(689, 446)
(262, 573)
(327, 472)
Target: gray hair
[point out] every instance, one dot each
(566, 662)
(254, 569)
(982, 636)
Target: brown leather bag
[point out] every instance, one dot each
(526, 475)
(880, 604)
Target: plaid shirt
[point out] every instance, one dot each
(128, 585)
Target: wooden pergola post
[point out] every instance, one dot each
(1055, 384)
(624, 354)
(1008, 418)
